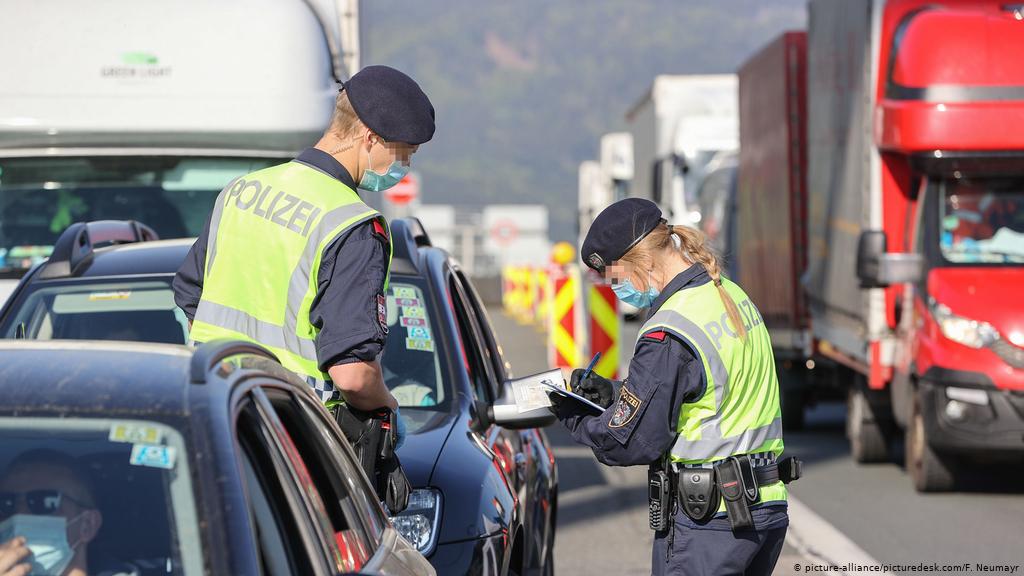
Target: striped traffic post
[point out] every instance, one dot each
(605, 329)
(563, 341)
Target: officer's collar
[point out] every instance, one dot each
(695, 275)
(324, 162)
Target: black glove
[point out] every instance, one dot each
(600, 391)
(564, 408)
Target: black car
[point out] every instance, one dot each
(158, 459)
(485, 476)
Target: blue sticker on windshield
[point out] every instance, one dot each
(153, 456)
(419, 332)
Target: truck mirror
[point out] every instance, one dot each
(877, 268)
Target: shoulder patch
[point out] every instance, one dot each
(625, 409)
(379, 228)
(658, 335)
(382, 313)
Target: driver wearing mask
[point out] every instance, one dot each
(48, 516)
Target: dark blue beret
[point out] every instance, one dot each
(391, 104)
(617, 229)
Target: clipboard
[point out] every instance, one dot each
(576, 397)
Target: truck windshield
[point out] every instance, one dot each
(981, 220)
(41, 196)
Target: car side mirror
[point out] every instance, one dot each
(480, 416)
(878, 268)
(506, 414)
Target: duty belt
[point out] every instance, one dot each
(736, 479)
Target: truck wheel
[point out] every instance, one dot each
(792, 409)
(929, 470)
(866, 431)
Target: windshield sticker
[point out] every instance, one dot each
(419, 332)
(136, 434)
(413, 322)
(407, 301)
(113, 295)
(414, 312)
(403, 292)
(418, 344)
(153, 456)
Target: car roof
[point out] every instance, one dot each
(154, 257)
(86, 376)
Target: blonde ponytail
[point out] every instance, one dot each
(692, 246)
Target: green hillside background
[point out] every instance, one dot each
(524, 89)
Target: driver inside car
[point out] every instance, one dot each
(48, 517)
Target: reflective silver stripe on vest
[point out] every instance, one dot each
(711, 444)
(298, 285)
(261, 331)
(211, 237)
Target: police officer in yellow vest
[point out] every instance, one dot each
(700, 405)
(294, 260)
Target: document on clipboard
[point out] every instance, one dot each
(531, 392)
(560, 390)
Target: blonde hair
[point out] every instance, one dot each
(693, 247)
(344, 121)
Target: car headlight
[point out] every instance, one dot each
(418, 522)
(973, 333)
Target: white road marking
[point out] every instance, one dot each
(821, 542)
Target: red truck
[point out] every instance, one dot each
(879, 206)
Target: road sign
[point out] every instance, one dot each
(407, 190)
(504, 232)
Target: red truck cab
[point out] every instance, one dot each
(949, 127)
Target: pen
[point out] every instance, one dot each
(590, 367)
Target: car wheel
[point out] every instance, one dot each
(549, 556)
(866, 427)
(929, 470)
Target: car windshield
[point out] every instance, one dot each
(118, 491)
(41, 196)
(411, 361)
(138, 311)
(982, 221)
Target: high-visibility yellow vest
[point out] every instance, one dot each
(267, 234)
(739, 412)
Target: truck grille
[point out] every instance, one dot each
(1012, 355)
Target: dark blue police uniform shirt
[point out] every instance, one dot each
(664, 374)
(351, 276)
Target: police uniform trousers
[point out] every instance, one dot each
(713, 549)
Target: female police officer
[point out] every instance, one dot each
(701, 402)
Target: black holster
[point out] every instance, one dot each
(373, 435)
(738, 486)
(698, 493)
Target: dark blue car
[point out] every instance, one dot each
(485, 479)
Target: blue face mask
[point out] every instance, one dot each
(46, 537)
(626, 292)
(374, 181)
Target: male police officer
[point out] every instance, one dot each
(294, 260)
(701, 402)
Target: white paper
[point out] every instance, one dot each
(531, 392)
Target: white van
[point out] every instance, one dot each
(145, 109)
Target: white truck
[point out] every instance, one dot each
(143, 109)
(678, 126)
(604, 181)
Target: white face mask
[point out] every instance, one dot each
(46, 537)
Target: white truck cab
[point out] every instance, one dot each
(144, 109)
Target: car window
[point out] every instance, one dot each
(492, 350)
(126, 484)
(334, 482)
(137, 311)
(363, 496)
(480, 373)
(411, 361)
(41, 196)
(274, 517)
